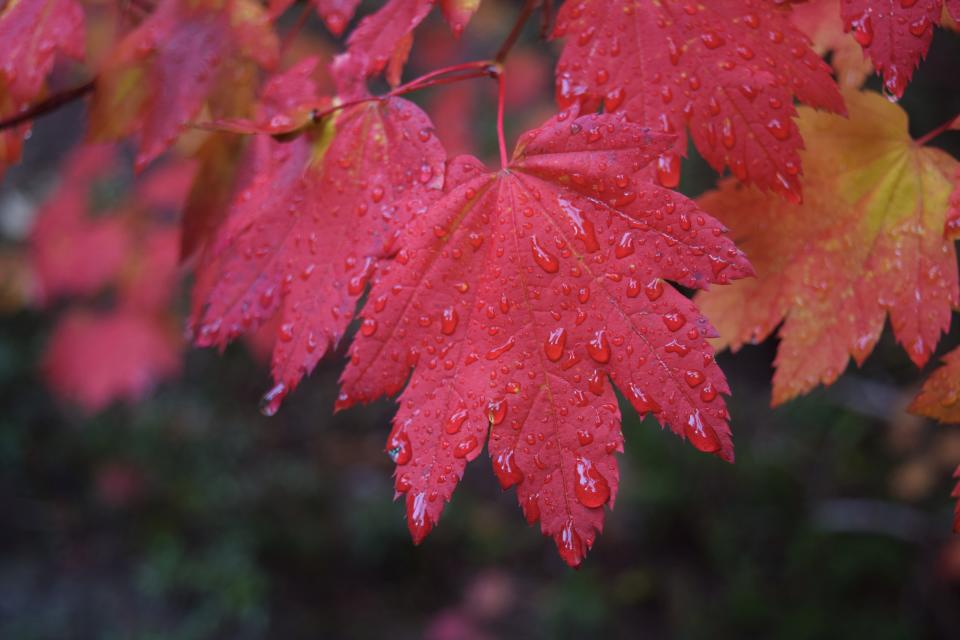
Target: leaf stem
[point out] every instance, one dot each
(43, 107)
(501, 141)
(418, 83)
(933, 134)
(528, 8)
(431, 79)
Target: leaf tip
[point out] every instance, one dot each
(419, 522)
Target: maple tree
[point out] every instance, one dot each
(505, 308)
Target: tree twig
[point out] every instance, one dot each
(44, 107)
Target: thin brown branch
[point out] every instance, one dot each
(44, 107)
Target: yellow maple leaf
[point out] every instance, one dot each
(867, 242)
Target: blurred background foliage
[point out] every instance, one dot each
(189, 515)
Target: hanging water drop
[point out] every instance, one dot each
(398, 447)
(506, 470)
(591, 489)
(270, 402)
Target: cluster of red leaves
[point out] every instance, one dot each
(505, 306)
(33, 35)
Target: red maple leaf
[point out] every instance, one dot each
(81, 249)
(516, 296)
(726, 70)
(76, 251)
(895, 34)
(65, 237)
(383, 39)
(458, 13)
(335, 13)
(821, 21)
(11, 140)
(939, 399)
(386, 33)
(306, 234)
(33, 33)
(96, 358)
(180, 58)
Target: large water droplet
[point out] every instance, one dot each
(591, 487)
(918, 28)
(779, 130)
(418, 522)
(599, 347)
(368, 327)
(642, 402)
(398, 446)
(465, 446)
(555, 344)
(694, 378)
(674, 320)
(708, 393)
(496, 411)
(547, 261)
(449, 320)
(668, 170)
(455, 421)
(506, 470)
(496, 352)
(531, 508)
(570, 545)
(700, 435)
(653, 289)
(270, 402)
(712, 40)
(727, 135)
(862, 28)
(624, 246)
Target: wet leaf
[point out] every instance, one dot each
(184, 56)
(726, 71)
(866, 243)
(306, 234)
(519, 300)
